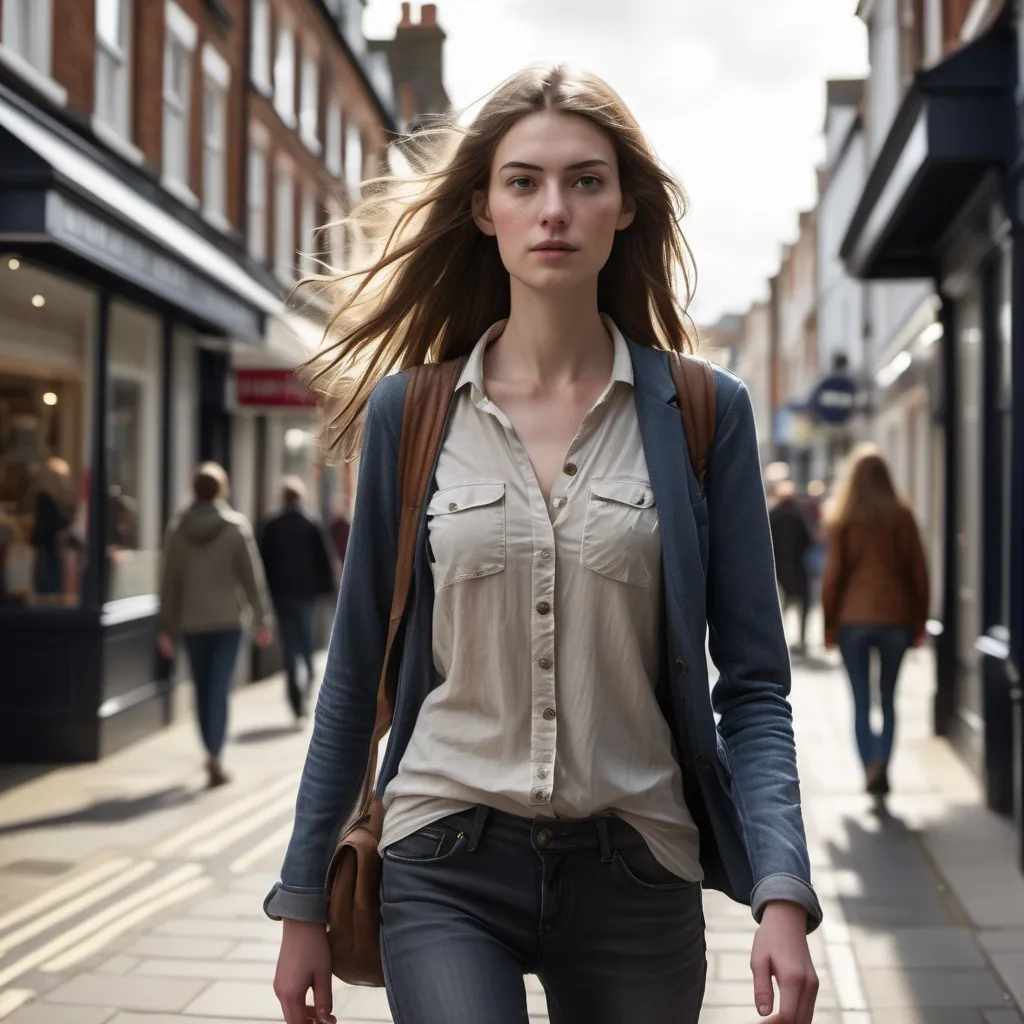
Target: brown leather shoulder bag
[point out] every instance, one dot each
(353, 879)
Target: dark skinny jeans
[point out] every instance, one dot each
(212, 657)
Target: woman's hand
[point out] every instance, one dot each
(304, 963)
(780, 951)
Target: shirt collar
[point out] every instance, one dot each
(473, 372)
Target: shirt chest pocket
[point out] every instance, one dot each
(621, 537)
(467, 531)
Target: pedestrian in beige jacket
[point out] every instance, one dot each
(212, 588)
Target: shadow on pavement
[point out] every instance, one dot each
(112, 811)
(265, 735)
(14, 775)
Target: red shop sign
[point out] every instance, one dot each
(271, 387)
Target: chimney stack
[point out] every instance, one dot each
(406, 21)
(428, 16)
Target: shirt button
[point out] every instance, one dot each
(542, 773)
(559, 502)
(452, 506)
(642, 500)
(549, 714)
(545, 554)
(544, 835)
(540, 794)
(569, 469)
(545, 663)
(543, 608)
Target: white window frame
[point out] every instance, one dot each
(284, 223)
(309, 218)
(284, 73)
(354, 160)
(333, 139)
(256, 200)
(182, 32)
(116, 56)
(36, 63)
(216, 85)
(260, 66)
(309, 100)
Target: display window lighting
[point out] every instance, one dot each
(38, 301)
(50, 398)
(13, 263)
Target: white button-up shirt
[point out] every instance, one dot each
(546, 631)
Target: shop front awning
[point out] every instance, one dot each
(56, 189)
(956, 124)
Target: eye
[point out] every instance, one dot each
(588, 181)
(518, 183)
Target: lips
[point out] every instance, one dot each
(553, 246)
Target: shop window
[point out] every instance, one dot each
(308, 244)
(178, 51)
(284, 225)
(27, 31)
(354, 161)
(309, 117)
(284, 75)
(112, 62)
(260, 53)
(257, 203)
(133, 454)
(216, 80)
(42, 504)
(332, 131)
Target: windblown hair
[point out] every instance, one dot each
(432, 282)
(866, 493)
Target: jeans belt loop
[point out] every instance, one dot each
(602, 835)
(479, 819)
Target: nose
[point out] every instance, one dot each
(555, 208)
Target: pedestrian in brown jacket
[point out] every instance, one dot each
(874, 596)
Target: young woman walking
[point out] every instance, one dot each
(555, 788)
(874, 596)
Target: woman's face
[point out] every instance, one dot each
(553, 201)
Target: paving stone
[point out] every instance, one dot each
(129, 993)
(372, 1004)
(200, 928)
(925, 1015)
(264, 952)
(231, 905)
(1011, 969)
(118, 965)
(213, 970)
(169, 947)
(245, 1000)
(728, 942)
(730, 993)
(173, 1018)
(41, 1013)
(918, 947)
(732, 967)
(1001, 1017)
(735, 1015)
(887, 989)
(1010, 940)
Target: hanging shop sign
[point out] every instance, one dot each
(271, 387)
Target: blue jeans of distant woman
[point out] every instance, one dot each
(212, 657)
(856, 644)
(476, 900)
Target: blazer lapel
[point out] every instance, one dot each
(661, 430)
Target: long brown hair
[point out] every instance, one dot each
(433, 282)
(866, 493)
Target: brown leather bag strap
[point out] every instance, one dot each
(428, 395)
(695, 389)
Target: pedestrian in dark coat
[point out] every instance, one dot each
(299, 569)
(791, 540)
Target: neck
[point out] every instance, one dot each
(551, 339)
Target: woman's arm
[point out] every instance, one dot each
(831, 591)
(346, 708)
(748, 645)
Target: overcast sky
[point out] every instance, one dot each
(731, 93)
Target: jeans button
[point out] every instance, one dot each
(543, 837)
(702, 761)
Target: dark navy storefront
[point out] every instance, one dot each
(77, 682)
(943, 201)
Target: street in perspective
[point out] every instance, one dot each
(192, 194)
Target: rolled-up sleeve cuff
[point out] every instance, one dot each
(296, 904)
(786, 887)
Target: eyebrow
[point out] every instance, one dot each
(518, 165)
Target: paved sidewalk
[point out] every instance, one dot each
(128, 895)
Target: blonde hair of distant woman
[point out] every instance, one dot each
(396, 311)
(866, 493)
